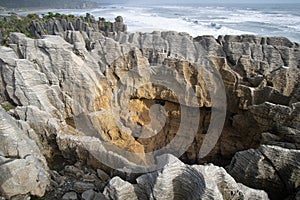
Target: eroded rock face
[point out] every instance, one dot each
(59, 25)
(179, 181)
(272, 168)
(23, 167)
(110, 101)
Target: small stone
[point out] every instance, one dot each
(20, 197)
(70, 196)
(99, 196)
(54, 184)
(88, 195)
(102, 175)
(56, 177)
(72, 170)
(90, 178)
(83, 186)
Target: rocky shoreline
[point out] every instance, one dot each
(70, 98)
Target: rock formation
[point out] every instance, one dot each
(102, 112)
(179, 181)
(23, 167)
(35, 26)
(58, 25)
(272, 168)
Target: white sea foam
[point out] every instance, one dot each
(141, 20)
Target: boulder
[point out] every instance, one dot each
(271, 168)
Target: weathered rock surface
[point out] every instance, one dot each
(179, 181)
(271, 168)
(23, 168)
(110, 100)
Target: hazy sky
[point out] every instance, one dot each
(199, 1)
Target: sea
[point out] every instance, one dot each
(205, 19)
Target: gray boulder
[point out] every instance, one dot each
(270, 168)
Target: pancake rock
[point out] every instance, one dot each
(23, 167)
(179, 181)
(119, 101)
(272, 168)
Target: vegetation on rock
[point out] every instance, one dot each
(6, 105)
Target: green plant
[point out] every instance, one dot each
(16, 24)
(87, 16)
(50, 14)
(33, 16)
(108, 24)
(119, 19)
(7, 106)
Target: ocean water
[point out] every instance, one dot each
(205, 19)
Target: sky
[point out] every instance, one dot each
(198, 1)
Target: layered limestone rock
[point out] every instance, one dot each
(271, 168)
(119, 101)
(23, 167)
(58, 25)
(254, 70)
(179, 181)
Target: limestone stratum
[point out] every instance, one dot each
(91, 111)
